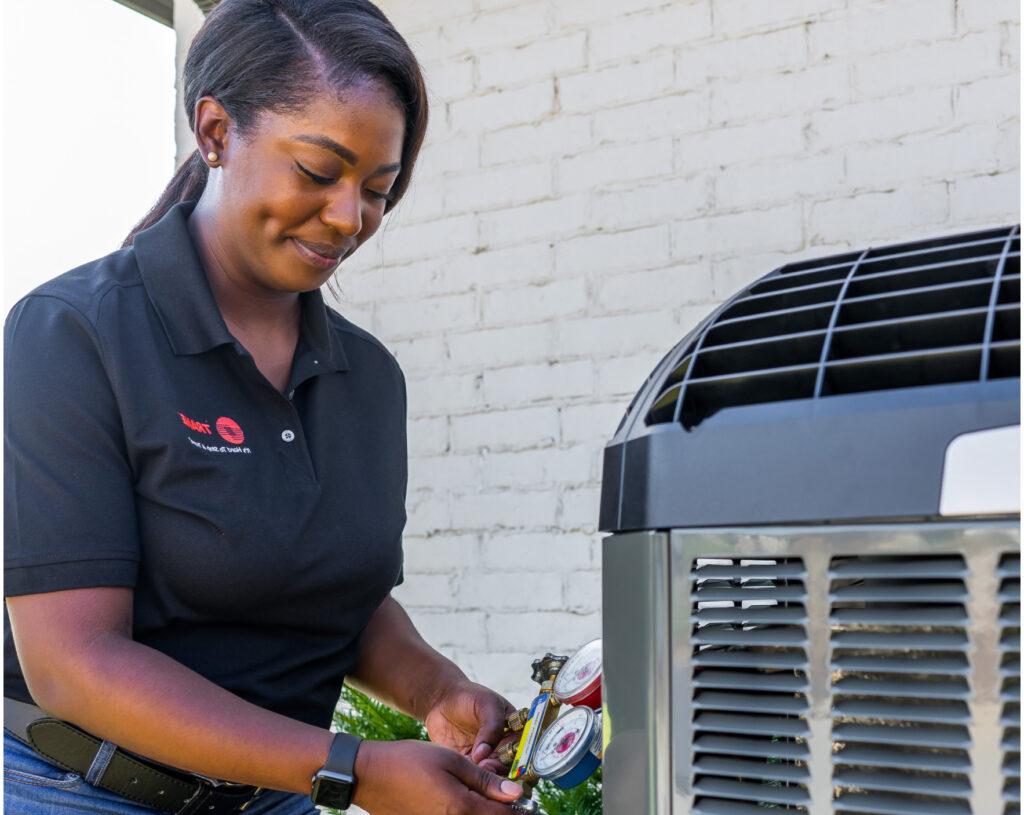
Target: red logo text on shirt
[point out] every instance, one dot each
(229, 430)
(199, 427)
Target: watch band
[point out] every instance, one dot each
(334, 783)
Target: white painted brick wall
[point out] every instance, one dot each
(597, 176)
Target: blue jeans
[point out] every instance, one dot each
(34, 786)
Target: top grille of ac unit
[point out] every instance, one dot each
(931, 312)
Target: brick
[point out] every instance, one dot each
(428, 314)
(423, 201)
(994, 99)
(536, 302)
(440, 393)
(881, 119)
(536, 60)
(641, 205)
(519, 263)
(1008, 146)
(533, 383)
(428, 436)
(431, 238)
(564, 135)
(640, 33)
(975, 14)
(580, 508)
(678, 113)
(881, 27)
(505, 429)
(606, 336)
(495, 347)
(779, 228)
(737, 17)
(504, 107)
(499, 670)
(750, 185)
(450, 80)
(504, 186)
(453, 154)
(413, 16)
(922, 158)
(871, 217)
(491, 510)
(457, 629)
(510, 589)
(985, 199)
(568, 13)
(591, 422)
(425, 591)
(784, 49)
(928, 65)
(658, 288)
(419, 354)
(520, 23)
(698, 152)
(570, 551)
(446, 471)
(623, 376)
(427, 511)
(621, 83)
(768, 96)
(613, 252)
(606, 165)
(545, 219)
(526, 468)
(442, 553)
(583, 592)
(562, 632)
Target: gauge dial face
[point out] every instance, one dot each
(580, 671)
(564, 742)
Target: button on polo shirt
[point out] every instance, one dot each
(259, 530)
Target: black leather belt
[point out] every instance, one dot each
(142, 780)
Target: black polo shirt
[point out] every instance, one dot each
(143, 448)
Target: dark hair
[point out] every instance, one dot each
(276, 55)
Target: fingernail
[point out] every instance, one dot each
(511, 788)
(481, 752)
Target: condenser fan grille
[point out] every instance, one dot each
(933, 312)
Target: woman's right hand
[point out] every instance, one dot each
(403, 777)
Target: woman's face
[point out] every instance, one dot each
(305, 190)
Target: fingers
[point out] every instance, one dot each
(486, 783)
(492, 724)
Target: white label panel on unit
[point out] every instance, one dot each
(981, 474)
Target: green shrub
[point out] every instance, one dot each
(369, 719)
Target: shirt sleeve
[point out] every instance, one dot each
(69, 500)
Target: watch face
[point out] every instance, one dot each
(331, 789)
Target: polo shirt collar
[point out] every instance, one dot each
(179, 290)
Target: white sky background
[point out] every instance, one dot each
(87, 132)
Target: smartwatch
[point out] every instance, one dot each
(334, 784)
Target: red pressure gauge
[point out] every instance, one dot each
(579, 680)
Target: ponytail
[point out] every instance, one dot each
(188, 183)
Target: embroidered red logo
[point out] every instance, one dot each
(229, 430)
(199, 427)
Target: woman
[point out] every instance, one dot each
(205, 467)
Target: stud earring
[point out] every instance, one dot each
(211, 156)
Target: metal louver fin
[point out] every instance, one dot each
(749, 705)
(901, 660)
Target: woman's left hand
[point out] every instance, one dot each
(469, 718)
